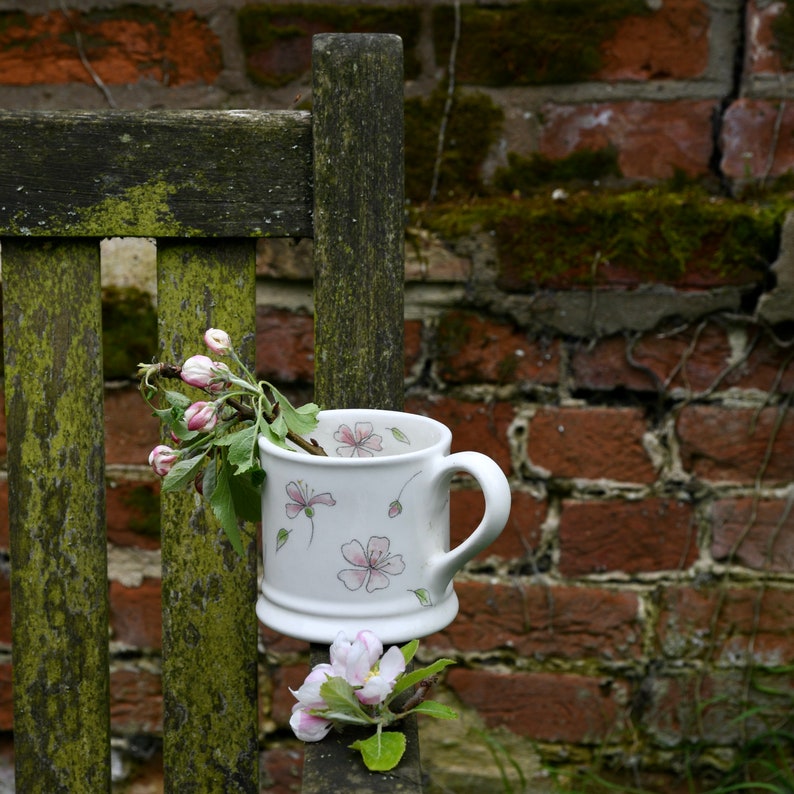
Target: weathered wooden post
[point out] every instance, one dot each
(210, 737)
(358, 292)
(56, 470)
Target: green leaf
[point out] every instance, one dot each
(208, 480)
(246, 498)
(435, 709)
(282, 537)
(412, 678)
(399, 435)
(266, 430)
(382, 751)
(409, 650)
(182, 473)
(423, 596)
(341, 699)
(223, 507)
(177, 399)
(300, 420)
(242, 448)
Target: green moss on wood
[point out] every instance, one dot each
(471, 129)
(683, 239)
(533, 43)
(277, 38)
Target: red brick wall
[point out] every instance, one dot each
(645, 575)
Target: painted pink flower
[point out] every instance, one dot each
(303, 502)
(162, 458)
(201, 416)
(298, 492)
(361, 442)
(217, 341)
(373, 567)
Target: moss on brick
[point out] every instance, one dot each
(533, 43)
(129, 330)
(143, 502)
(621, 239)
(472, 127)
(276, 39)
(783, 30)
(527, 174)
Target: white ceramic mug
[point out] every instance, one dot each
(360, 539)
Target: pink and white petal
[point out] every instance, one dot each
(354, 553)
(374, 647)
(344, 435)
(377, 581)
(392, 565)
(374, 443)
(323, 499)
(353, 578)
(308, 727)
(375, 690)
(377, 548)
(295, 493)
(363, 431)
(293, 509)
(392, 664)
(358, 665)
(338, 652)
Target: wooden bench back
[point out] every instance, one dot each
(206, 185)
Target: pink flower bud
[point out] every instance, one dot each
(217, 341)
(204, 373)
(162, 458)
(201, 416)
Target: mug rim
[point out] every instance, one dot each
(442, 443)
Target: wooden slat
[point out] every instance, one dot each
(210, 741)
(54, 404)
(237, 173)
(359, 266)
(359, 234)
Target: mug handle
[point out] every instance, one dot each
(496, 491)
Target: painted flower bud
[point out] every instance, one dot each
(395, 508)
(218, 341)
(162, 458)
(204, 373)
(201, 416)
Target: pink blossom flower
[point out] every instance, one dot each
(298, 492)
(309, 727)
(360, 664)
(162, 458)
(372, 567)
(361, 442)
(218, 341)
(201, 416)
(204, 373)
(378, 685)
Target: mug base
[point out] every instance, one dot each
(389, 630)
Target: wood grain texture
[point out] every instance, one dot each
(54, 404)
(359, 235)
(210, 629)
(235, 173)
